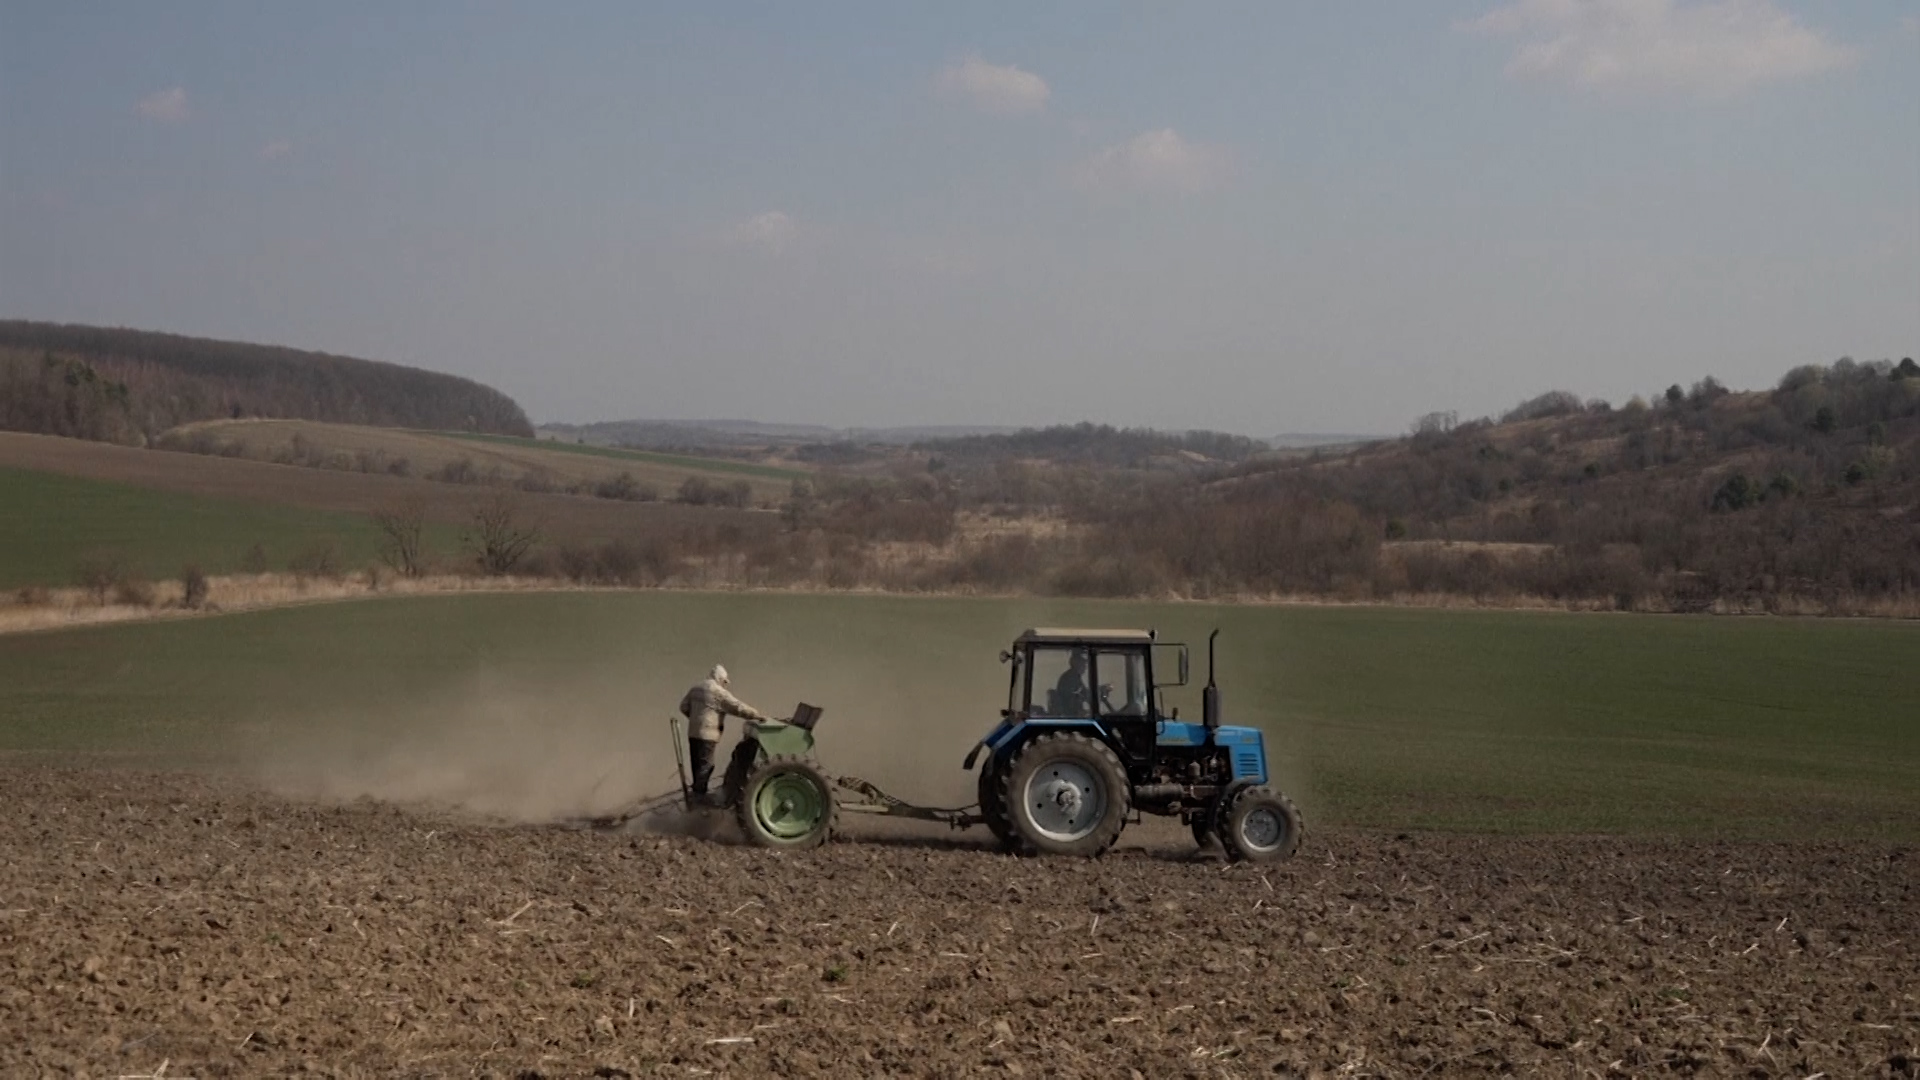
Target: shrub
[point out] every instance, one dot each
(1737, 493)
(33, 596)
(321, 560)
(497, 536)
(98, 574)
(457, 471)
(536, 482)
(1706, 392)
(133, 591)
(1802, 376)
(625, 487)
(697, 491)
(403, 529)
(193, 588)
(255, 560)
(1551, 403)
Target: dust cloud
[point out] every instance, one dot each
(496, 747)
(542, 750)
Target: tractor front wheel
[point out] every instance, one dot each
(786, 802)
(1261, 825)
(1202, 822)
(1065, 794)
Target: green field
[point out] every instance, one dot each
(51, 523)
(720, 465)
(1379, 718)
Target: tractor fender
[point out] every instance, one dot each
(1008, 738)
(973, 755)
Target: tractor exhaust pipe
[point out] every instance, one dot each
(1210, 697)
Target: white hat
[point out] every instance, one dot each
(718, 674)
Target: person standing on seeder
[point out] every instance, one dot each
(706, 707)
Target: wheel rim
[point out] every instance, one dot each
(788, 806)
(1065, 800)
(1263, 829)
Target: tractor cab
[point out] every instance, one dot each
(1103, 678)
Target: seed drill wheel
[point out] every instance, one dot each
(1065, 794)
(786, 802)
(1261, 825)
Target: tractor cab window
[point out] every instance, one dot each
(1062, 682)
(1123, 683)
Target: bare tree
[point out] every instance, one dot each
(403, 528)
(496, 535)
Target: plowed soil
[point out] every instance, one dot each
(185, 925)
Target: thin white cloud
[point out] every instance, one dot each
(1156, 161)
(992, 87)
(168, 106)
(278, 148)
(771, 232)
(1715, 48)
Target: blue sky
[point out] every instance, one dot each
(1257, 217)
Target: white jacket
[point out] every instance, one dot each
(705, 706)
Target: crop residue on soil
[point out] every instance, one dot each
(225, 931)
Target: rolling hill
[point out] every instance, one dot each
(128, 386)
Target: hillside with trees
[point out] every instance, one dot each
(1804, 498)
(1096, 445)
(128, 386)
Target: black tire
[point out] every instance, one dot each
(1078, 788)
(1202, 822)
(1261, 825)
(993, 804)
(787, 802)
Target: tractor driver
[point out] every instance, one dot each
(1071, 695)
(706, 707)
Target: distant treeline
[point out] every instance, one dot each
(1093, 444)
(128, 386)
(1802, 499)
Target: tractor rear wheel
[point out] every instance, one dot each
(786, 802)
(1065, 794)
(1261, 825)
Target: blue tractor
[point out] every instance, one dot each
(1084, 743)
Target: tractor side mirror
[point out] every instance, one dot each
(1179, 659)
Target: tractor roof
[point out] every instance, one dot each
(1054, 635)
